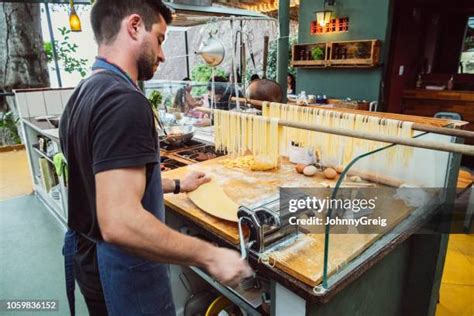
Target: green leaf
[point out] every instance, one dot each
(65, 53)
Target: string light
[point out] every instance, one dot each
(268, 6)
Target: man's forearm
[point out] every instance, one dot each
(168, 185)
(144, 235)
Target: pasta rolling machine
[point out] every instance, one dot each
(268, 224)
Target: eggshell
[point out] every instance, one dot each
(299, 167)
(310, 171)
(355, 179)
(330, 173)
(340, 169)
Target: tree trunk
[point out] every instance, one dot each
(23, 62)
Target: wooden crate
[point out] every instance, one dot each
(298, 61)
(364, 53)
(358, 54)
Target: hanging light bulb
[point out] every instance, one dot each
(323, 17)
(74, 21)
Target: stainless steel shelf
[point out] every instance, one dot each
(238, 296)
(42, 154)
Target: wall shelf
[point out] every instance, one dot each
(303, 57)
(42, 154)
(340, 54)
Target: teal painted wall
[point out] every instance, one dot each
(368, 19)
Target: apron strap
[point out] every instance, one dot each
(69, 251)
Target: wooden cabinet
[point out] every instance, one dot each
(342, 54)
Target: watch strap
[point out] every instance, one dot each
(177, 186)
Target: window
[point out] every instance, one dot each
(466, 63)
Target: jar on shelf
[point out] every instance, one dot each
(343, 53)
(303, 54)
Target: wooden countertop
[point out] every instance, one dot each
(449, 95)
(245, 186)
(465, 181)
(304, 265)
(242, 186)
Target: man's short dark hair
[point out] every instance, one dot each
(254, 77)
(220, 84)
(107, 15)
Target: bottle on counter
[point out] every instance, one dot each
(451, 83)
(302, 98)
(324, 99)
(419, 82)
(319, 99)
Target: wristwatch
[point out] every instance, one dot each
(177, 186)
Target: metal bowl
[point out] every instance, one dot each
(177, 135)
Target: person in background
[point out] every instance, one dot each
(239, 77)
(254, 77)
(223, 92)
(183, 100)
(291, 89)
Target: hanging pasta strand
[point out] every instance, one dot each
(239, 133)
(349, 141)
(335, 149)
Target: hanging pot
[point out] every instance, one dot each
(265, 89)
(212, 51)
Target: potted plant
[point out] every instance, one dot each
(317, 53)
(155, 99)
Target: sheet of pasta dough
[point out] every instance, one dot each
(212, 199)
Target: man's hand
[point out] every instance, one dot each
(226, 267)
(193, 180)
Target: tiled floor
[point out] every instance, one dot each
(15, 179)
(457, 289)
(31, 260)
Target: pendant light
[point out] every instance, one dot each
(323, 17)
(74, 21)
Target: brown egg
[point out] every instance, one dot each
(300, 167)
(330, 173)
(340, 169)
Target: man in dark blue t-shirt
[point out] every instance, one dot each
(117, 244)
